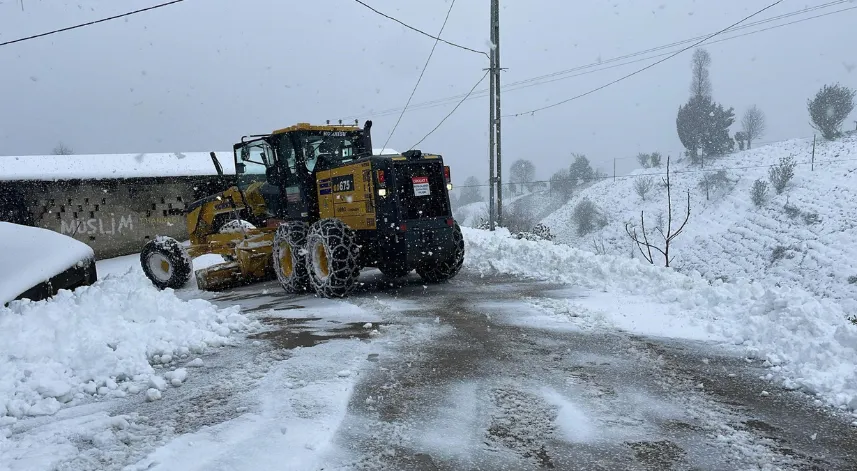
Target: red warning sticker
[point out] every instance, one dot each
(421, 186)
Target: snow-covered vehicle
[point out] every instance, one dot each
(40, 262)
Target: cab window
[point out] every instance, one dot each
(336, 149)
(252, 162)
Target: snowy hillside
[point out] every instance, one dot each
(805, 237)
(531, 206)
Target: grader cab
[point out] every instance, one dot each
(311, 206)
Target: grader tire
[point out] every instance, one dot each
(445, 270)
(331, 258)
(166, 263)
(289, 257)
(395, 271)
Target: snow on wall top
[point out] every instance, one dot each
(33, 255)
(103, 166)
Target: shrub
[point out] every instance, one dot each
(811, 218)
(655, 159)
(758, 193)
(782, 173)
(542, 231)
(587, 217)
(598, 246)
(643, 185)
(518, 217)
(778, 253)
(643, 159)
(791, 210)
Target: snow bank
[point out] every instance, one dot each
(67, 167)
(32, 255)
(102, 339)
(806, 339)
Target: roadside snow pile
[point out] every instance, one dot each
(804, 237)
(33, 255)
(102, 339)
(806, 339)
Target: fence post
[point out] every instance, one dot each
(614, 169)
(812, 165)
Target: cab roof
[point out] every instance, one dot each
(321, 127)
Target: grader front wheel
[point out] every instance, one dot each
(289, 260)
(166, 263)
(331, 258)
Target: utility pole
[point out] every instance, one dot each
(495, 28)
(491, 96)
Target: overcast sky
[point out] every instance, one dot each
(198, 75)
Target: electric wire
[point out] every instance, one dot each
(448, 12)
(90, 23)
(437, 38)
(451, 112)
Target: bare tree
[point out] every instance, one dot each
(700, 85)
(522, 173)
(668, 237)
(642, 186)
(62, 149)
(753, 124)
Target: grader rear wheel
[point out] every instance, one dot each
(447, 269)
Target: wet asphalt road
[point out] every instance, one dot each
(483, 393)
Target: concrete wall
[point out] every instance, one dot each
(114, 217)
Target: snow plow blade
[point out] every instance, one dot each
(224, 276)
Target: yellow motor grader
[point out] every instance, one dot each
(311, 206)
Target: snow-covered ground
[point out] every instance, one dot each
(805, 339)
(99, 342)
(810, 225)
(32, 255)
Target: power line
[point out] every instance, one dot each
(513, 86)
(543, 82)
(451, 112)
(625, 77)
(688, 40)
(90, 23)
(436, 38)
(448, 12)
